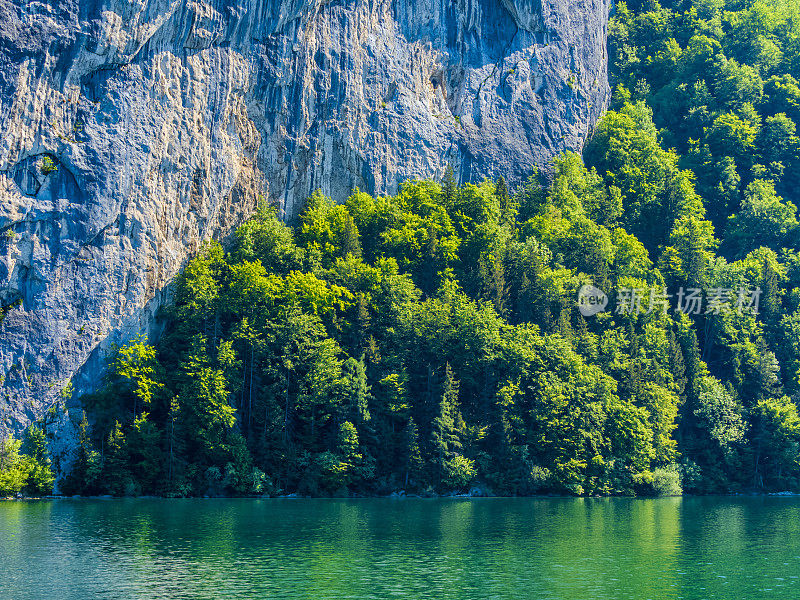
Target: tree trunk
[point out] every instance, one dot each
(250, 402)
(286, 410)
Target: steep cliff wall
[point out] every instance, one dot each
(131, 131)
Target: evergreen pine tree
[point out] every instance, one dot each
(40, 475)
(449, 187)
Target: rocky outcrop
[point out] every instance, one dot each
(131, 131)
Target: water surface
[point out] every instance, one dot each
(458, 549)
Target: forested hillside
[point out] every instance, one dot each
(432, 341)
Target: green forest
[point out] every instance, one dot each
(431, 341)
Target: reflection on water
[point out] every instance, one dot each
(406, 548)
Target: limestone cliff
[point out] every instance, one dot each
(131, 131)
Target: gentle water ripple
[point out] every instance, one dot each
(692, 548)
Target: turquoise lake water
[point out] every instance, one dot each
(559, 548)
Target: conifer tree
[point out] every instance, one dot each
(449, 186)
(40, 475)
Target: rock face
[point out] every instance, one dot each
(132, 131)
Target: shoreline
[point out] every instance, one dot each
(784, 494)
